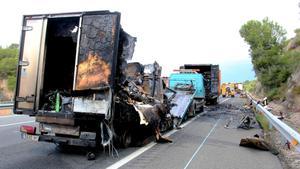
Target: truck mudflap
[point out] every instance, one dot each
(60, 140)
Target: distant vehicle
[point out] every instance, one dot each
(212, 80)
(228, 89)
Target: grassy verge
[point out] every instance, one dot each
(263, 121)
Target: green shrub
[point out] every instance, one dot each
(11, 83)
(263, 121)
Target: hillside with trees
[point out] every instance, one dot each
(8, 67)
(274, 58)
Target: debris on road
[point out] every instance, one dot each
(258, 143)
(255, 142)
(228, 122)
(246, 122)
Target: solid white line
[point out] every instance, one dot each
(147, 147)
(15, 115)
(131, 156)
(12, 124)
(201, 145)
(224, 100)
(138, 152)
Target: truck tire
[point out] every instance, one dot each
(90, 156)
(214, 101)
(191, 112)
(201, 109)
(126, 139)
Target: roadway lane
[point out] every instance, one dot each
(24, 154)
(9, 129)
(206, 144)
(220, 149)
(17, 153)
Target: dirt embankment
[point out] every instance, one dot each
(289, 107)
(5, 94)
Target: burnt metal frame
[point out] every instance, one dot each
(60, 15)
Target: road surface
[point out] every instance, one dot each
(202, 143)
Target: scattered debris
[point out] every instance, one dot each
(228, 123)
(258, 143)
(255, 142)
(154, 115)
(246, 122)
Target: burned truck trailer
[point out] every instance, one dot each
(212, 79)
(72, 78)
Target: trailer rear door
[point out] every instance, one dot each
(98, 48)
(31, 53)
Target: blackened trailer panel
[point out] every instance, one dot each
(97, 51)
(215, 79)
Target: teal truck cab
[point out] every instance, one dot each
(190, 93)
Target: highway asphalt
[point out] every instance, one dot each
(202, 143)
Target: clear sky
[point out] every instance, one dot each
(172, 32)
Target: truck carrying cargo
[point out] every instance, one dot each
(190, 94)
(212, 80)
(73, 76)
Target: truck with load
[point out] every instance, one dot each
(73, 76)
(190, 94)
(212, 80)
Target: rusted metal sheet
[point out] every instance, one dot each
(55, 120)
(97, 50)
(182, 102)
(93, 72)
(60, 129)
(91, 106)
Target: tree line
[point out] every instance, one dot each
(8, 65)
(274, 58)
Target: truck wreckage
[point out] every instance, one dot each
(73, 76)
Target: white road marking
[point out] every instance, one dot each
(147, 147)
(224, 100)
(138, 152)
(12, 124)
(2, 117)
(201, 145)
(131, 156)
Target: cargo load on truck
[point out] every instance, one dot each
(190, 94)
(212, 80)
(73, 76)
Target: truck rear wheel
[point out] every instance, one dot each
(90, 156)
(126, 139)
(214, 101)
(201, 109)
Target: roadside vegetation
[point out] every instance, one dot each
(274, 58)
(8, 67)
(249, 85)
(263, 121)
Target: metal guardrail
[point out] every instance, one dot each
(290, 134)
(6, 105)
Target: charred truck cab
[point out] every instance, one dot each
(70, 72)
